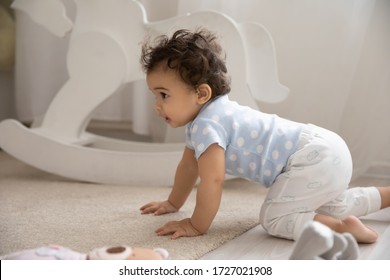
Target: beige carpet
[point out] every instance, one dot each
(37, 209)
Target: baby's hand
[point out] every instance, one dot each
(158, 208)
(178, 229)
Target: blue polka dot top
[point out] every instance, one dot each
(257, 145)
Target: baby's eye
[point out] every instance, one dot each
(164, 95)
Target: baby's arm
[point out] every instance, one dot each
(185, 178)
(211, 166)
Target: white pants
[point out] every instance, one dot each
(315, 181)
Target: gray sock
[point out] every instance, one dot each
(319, 242)
(351, 252)
(339, 246)
(316, 239)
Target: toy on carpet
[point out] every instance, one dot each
(55, 252)
(319, 242)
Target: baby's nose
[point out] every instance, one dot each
(157, 106)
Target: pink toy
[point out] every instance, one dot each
(55, 252)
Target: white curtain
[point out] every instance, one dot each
(333, 55)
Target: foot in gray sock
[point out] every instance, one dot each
(319, 242)
(315, 240)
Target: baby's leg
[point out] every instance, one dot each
(284, 214)
(318, 175)
(318, 172)
(295, 196)
(341, 213)
(358, 201)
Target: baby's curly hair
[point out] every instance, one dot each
(196, 56)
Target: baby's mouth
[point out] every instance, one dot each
(165, 118)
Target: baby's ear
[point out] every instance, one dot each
(163, 253)
(204, 93)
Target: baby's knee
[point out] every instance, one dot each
(287, 226)
(278, 227)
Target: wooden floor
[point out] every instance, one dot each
(255, 244)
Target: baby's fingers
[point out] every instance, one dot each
(173, 228)
(178, 233)
(166, 229)
(148, 208)
(161, 210)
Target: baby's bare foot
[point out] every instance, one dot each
(361, 232)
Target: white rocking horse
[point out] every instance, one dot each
(103, 56)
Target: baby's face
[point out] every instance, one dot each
(176, 102)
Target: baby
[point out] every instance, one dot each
(306, 168)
